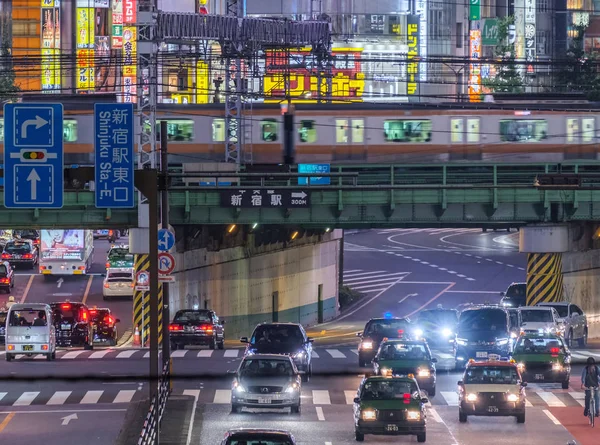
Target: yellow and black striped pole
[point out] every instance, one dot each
(544, 278)
(160, 315)
(141, 308)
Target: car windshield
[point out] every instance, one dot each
(29, 234)
(563, 310)
(539, 316)
(492, 375)
(387, 328)
(192, 316)
(18, 248)
(438, 317)
(539, 345)
(256, 439)
(98, 314)
(387, 389)
(120, 276)
(404, 351)
(266, 367)
(65, 314)
(516, 291)
(27, 317)
(277, 334)
(120, 253)
(483, 320)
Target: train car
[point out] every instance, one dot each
(372, 133)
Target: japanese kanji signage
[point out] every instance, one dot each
(114, 155)
(412, 67)
(249, 198)
(530, 34)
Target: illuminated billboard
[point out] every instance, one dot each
(412, 67)
(117, 24)
(475, 68)
(51, 78)
(85, 49)
(62, 245)
(129, 11)
(422, 11)
(129, 63)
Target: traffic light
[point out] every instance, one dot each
(33, 155)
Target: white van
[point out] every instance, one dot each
(30, 331)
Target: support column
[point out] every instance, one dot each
(544, 245)
(141, 307)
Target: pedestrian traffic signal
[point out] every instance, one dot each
(30, 155)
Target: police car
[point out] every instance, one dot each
(491, 388)
(400, 357)
(389, 406)
(543, 358)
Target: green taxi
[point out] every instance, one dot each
(543, 358)
(399, 357)
(119, 257)
(389, 406)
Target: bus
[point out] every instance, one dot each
(66, 252)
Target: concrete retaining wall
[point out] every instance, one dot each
(246, 288)
(581, 285)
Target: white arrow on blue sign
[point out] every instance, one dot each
(33, 156)
(166, 240)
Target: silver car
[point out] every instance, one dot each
(266, 381)
(573, 320)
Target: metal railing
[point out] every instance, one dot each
(151, 429)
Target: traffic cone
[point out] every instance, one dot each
(136, 338)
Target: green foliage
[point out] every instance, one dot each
(508, 79)
(8, 89)
(347, 297)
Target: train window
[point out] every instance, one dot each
(307, 132)
(573, 129)
(69, 130)
(456, 130)
(268, 130)
(180, 130)
(523, 130)
(341, 131)
(358, 131)
(218, 130)
(407, 131)
(473, 130)
(588, 125)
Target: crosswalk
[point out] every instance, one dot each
(372, 281)
(58, 398)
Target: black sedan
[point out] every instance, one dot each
(196, 327)
(73, 324)
(7, 277)
(375, 331)
(258, 436)
(19, 253)
(437, 326)
(105, 326)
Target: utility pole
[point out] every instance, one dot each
(288, 133)
(164, 209)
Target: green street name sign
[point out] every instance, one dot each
(489, 36)
(475, 10)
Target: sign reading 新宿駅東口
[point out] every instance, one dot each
(249, 198)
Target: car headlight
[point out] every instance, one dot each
(521, 366)
(446, 332)
(471, 397)
(513, 335)
(385, 372)
(512, 398)
(299, 355)
(423, 372)
(238, 388)
(369, 414)
(461, 341)
(502, 341)
(292, 387)
(557, 367)
(366, 345)
(418, 332)
(413, 415)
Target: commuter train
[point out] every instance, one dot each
(366, 133)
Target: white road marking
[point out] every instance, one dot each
(205, 353)
(510, 265)
(146, 355)
(386, 277)
(315, 355)
(350, 395)
(368, 273)
(321, 397)
(443, 268)
(124, 396)
(71, 355)
(489, 259)
(472, 292)
(499, 262)
(91, 397)
(450, 397)
(179, 354)
(26, 398)
(99, 354)
(579, 396)
(371, 285)
(320, 414)
(435, 415)
(550, 399)
(195, 393)
(551, 417)
(528, 403)
(232, 353)
(471, 279)
(2, 395)
(452, 271)
(461, 275)
(59, 398)
(126, 354)
(352, 271)
(335, 353)
(444, 355)
(222, 396)
(355, 351)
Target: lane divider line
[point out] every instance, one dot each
(196, 394)
(320, 414)
(29, 283)
(6, 421)
(551, 417)
(87, 289)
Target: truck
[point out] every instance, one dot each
(66, 252)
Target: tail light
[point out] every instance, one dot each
(175, 327)
(106, 285)
(65, 306)
(4, 280)
(107, 265)
(110, 233)
(109, 320)
(84, 315)
(406, 397)
(554, 352)
(28, 256)
(92, 311)
(81, 268)
(6, 256)
(44, 347)
(132, 284)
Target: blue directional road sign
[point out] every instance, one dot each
(314, 168)
(166, 240)
(33, 156)
(114, 135)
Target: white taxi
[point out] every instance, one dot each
(119, 282)
(491, 388)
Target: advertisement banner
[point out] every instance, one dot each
(475, 9)
(520, 33)
(202, 83)
(117, 24)
(475, 68)
(63, 245)
(489, 35)
(129, 63)
(47, 3)
(85, 27)
(129, 11)
(421, 11)
(530, 29)
(412, 68)
(93, 3)
(51, 77)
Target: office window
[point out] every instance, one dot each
(358, 131)
(473, 130)
(439, 23)
(459, 35)
(268, 130)
(456, 130)
(180, 130)
(307, 132)
(341, 131)
(573, 129)
(523, 130)
(407, 131)
(218, 130)
(588, 125)
(69, 130)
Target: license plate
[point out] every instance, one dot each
(492, 409)
(264, 400)
(539, 376)
(27, 347)
(65, 326)
(189, 329)
(17, 257)
(391, 428)
(481, 354)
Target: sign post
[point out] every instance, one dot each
(113, 143)
(33, 156)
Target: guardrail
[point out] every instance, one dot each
(151, 429)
